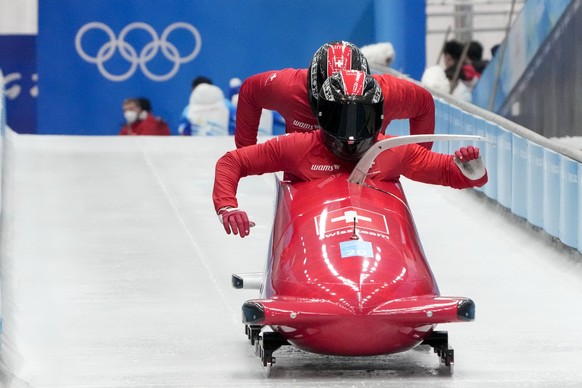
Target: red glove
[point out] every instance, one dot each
(470, 162)
(467, 154)
(235, 220)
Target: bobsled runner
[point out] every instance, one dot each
(347, 274)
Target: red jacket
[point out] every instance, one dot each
(285, 91)
(151, 126)
(304, 156)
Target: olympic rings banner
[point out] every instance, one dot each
(119, 44)
(91, 55)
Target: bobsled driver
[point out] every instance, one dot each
(293, 93)
(349, 108)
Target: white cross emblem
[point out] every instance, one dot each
(349, 217)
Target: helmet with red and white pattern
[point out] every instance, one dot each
(350, 113)
(329, 59)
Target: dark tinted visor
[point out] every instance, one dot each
(347, 151)
(350, 121)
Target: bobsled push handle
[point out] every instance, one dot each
(360, 172)
(249, 280)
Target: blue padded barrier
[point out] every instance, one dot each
(519, 176)
(568, 227)
(489, 152)
(475, 127)
(504, 167)
(442, 125)
(471, 125)
(551, 198)
(458, 126)
(535, 184)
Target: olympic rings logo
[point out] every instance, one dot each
(129, 53)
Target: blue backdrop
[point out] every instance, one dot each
(92, 55)
(18, 64)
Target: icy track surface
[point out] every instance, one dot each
(116, 273)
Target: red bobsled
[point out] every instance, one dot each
(347, 275)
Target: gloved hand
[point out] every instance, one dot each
(470, 162)
(235, 220)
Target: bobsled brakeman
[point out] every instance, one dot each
(346, 274)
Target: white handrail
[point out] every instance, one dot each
(360, 172)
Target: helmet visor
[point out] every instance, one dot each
(350, 121)
(351, 151)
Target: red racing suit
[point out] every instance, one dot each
(285, 91)
(304, 157)
(151, 126)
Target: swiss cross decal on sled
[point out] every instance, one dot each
(344, 219)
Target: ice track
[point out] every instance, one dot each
(116, 273)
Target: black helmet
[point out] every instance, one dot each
(328, 59)
(350, 113)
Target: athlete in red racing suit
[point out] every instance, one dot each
(305, 157)
(350, 112)
(285, 91)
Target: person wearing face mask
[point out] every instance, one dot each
(140, 121)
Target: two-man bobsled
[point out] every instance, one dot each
(347, 275)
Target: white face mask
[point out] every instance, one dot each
(130, 116)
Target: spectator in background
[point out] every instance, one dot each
(447, 80)
(434, 77)
(475, 55)
(382, 53)
(140, 121)
(459, 70)
(208, 111)
(453, 53)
